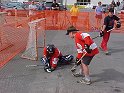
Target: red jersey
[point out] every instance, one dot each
(84, 38)
(54, 57)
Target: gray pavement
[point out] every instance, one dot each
(107, 72)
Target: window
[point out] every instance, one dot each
(83, 2)
(14, 0)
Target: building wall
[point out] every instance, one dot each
(19, 0)
(69, 2)
(5, 1)
(94, 2)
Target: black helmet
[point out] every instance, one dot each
(50, 48)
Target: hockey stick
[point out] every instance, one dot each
(107, 31)
(74, 67)
(33, 65)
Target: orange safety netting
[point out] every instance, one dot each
(14, 30)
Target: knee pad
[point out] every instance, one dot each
(44, 61)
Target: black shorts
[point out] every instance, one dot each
(87, 59)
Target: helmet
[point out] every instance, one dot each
(118, 24)
(50, 48)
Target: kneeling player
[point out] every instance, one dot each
(53, 57)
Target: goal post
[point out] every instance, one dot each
(31, 51)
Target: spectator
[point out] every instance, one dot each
(32, 8)
(114, 8)
(74, 14)
(55, 7)
(41, 6)
(113, 2)
(118, 4)
(98, 16)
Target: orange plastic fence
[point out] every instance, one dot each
(15, 30)
(12, 39)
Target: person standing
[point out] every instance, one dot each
(110, 22)
(55, 7)
(98, 16)
(113, 2)
(74, 14)
(85, 45)
(118, 4)
(32, 7)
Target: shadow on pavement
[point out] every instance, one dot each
(116, 50)
(108, 75)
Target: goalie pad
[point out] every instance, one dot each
(64, 60)
(44, 61)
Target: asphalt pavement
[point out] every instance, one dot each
(107, 72)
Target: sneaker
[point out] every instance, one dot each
(107, 53)
(73, 69)
(77, 74)
(87, 82)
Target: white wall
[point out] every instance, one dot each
(49, 0)
(19, 0)
(69, 2)
(94, 2)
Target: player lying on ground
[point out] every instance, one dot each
(53, 57)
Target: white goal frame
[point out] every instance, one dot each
(31, 53)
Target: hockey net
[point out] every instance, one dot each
(37, 31)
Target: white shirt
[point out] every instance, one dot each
(31, 8)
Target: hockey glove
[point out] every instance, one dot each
(77, 61)
(101, 34)
(87, 48)
(47, 69)
(118, 24)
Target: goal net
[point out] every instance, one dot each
(36, 27)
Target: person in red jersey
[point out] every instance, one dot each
(53, 57)
(110, 22)
(84, 44)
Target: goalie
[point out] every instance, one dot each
(53, 57)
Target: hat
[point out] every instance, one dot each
(71, 29)
(111, 10)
